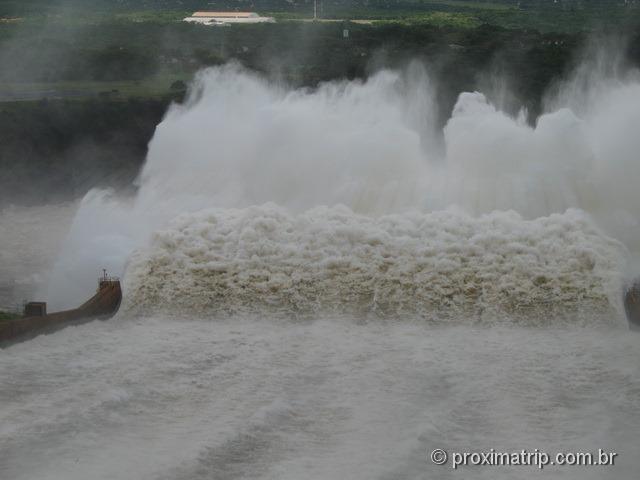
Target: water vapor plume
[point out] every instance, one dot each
(372, 146)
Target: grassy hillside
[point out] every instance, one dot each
(543, 15)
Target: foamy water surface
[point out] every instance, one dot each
(171, 398)
(321, 284)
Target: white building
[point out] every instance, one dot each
(226, 18)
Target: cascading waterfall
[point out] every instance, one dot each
(372, 154)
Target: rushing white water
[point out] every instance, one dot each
(350, 288)
(445, 264)
(230, 399)
(372, 146)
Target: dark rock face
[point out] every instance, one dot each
(632, 305)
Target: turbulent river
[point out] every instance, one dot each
(323, 284)
(171, 398)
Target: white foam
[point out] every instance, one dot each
(431, 265)
(241, 141)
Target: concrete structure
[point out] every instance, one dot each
(227, 18)
(35, 309)
(103, 304)
(632, 305)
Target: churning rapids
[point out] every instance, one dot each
(324, 284)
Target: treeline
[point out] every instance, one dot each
(542, 15)
(30, 7)
(302, 53)
(275, 5)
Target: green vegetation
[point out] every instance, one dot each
(439, 19)
(543, 15)
(118, 61)
(156, 86)
(4, 316)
